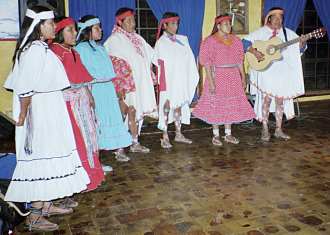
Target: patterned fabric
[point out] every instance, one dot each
(81, 114)
(84, 129)
(132, 37)
(112, 132)
(78, 98)
(229, 103)
(78, 101)
(143, 99)
(123, 82)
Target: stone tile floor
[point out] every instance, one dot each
(254, 188)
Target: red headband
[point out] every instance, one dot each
(63, 23)
(166, 20)
(122, 16)
(221, 19)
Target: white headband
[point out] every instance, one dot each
(37, 17)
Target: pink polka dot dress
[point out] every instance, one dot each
(229, 103)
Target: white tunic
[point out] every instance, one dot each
(181, 76)
(53, 169)
(143, 99)
(284, 78)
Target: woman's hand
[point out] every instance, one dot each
(121, 95)
(91, 98)
(24, 106)
(92, 102)
(21, 119)
(244, 84)
(210, 78)
(243, 76)
(212, 88)
(259, 55)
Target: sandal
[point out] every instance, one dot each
(165, 143)
(67, 203)
(216, 141)
(179, 137)
(106, 168)
(138, 148)
(39, 223)
(231, 139)
(53, 210)
(121, 156)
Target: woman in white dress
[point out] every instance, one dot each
(177, 77)
(48, 166)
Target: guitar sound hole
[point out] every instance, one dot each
(271, 50)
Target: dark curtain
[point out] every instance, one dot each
(104, 9)
(323, 7)
(294, 10)
(191, 14)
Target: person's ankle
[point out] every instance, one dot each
(165, 136)
(38, 205)
(178, 133)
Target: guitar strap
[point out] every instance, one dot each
(284, 30)
(285, 34)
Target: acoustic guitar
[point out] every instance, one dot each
(272, 49)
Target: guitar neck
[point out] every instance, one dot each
(293, 41)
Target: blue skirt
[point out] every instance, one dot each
(112, 131)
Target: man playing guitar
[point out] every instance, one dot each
(276, 86)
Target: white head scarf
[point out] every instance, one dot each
(37, 17)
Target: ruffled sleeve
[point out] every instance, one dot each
(239, 50)
(205, 53)
(27, 70)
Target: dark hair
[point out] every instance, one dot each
(59, 38)
(272, 9)
(35, 35)
(165, 16)
(215, 28)
(85, 35)
(283, 27)
(59, 35)
(123, 10)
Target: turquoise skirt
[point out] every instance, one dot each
(112, 131)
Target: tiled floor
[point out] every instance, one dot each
(254, 188)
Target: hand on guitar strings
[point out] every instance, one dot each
(302, 41)
(259, 55)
